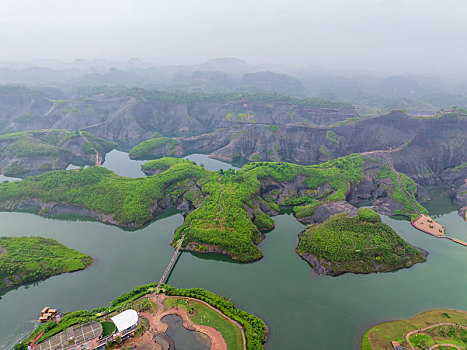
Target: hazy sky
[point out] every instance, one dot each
(423, 33)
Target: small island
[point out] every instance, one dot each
(360, 244)
(30, 259)
(152, 318)
(434, 329)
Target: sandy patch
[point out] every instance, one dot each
(428, 225)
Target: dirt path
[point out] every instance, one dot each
(167, 270)
(400, 184)
(220, 197)
(429, 327)
(443, 345)
(98, 156)
(156, 325)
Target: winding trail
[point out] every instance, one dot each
(220, 197)
(419, 213)
(98, 156)
(156, 325)
(169, 267)
(429, 327)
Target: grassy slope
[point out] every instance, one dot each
(28, 259)
(164, 163)
(203, 313)
(409, 187)
(101, 190)
(130, 200)
(380, 336)
(358, 244)
(150, 147)
(47, 143)
(234, 231)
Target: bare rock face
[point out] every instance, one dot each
(319, 267)
(325, 211)
(456, 179)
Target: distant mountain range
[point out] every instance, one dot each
(371, 94)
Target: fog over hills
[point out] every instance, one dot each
(372, 92)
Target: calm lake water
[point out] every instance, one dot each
(302, 311)
(183, 338)
(121, 164)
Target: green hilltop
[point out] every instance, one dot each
(232, 222)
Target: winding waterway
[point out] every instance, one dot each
(302, 311)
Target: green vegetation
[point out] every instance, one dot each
(331, 137)
(460, 167)
(243, 117)
(301, 211)
(233, 224)
(29, 259)
(348, 121)
(206, 316)
(193, 97)
(273, 127)
(254, 328)
(100, 190)
(52, 144)
(409, 187)
(107, 328)
(361, 245)
(163, 164)
(380, 336)
(151, 147)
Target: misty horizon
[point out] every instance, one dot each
(382, 36)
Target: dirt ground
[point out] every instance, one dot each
(143, 342)
(422, 223)
(156, 325)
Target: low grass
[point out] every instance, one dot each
(107, 328)
(206, 316)
(365, 342)
(421, 341)
(380, 336)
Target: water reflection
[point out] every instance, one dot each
(182, 337)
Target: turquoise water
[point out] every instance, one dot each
(302, 311)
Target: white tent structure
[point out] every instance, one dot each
(125, 320)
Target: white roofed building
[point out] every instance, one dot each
(126, 322)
